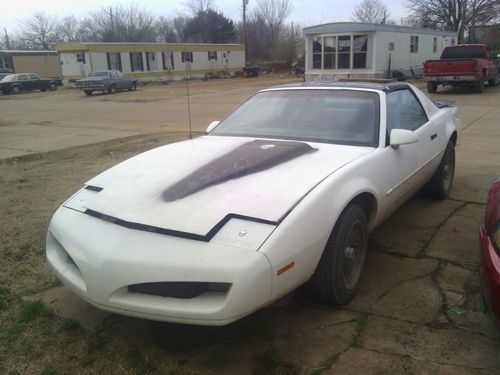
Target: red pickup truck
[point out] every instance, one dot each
(463, 64)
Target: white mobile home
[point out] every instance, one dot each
(352, 49)
(150, 61)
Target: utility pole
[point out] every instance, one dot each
(7, 41)
(245, 3)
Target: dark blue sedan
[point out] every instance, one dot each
(106, 80)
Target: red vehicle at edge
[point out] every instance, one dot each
(489, 238)
(463, 64)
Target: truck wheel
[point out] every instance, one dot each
(52, 87)
(494, 81)
(87, 92)
(336, 279)
(440, 184)
(133, 87)
(479, 87)
(432, 87)
(112, 89)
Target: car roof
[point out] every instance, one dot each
(372, 84)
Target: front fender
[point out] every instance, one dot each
(301, 237)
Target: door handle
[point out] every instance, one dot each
(433, 136)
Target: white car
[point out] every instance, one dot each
(282, 192)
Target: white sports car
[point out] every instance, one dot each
(282, 192)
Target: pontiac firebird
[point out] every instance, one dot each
(282, 192)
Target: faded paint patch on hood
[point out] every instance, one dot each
(248, 158)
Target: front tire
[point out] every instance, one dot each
(133, 87)
(337, 276)
(432, 87)
(15, 90)
(52, 87)
(440, 185)
(493, 82)
(88, 92)
(112, 89)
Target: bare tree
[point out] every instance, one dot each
(165, 30)
(41, 31)
(76, 30)
(274, 13)
(370, 11)
(455, 15)
(122, 23)
(196, 6)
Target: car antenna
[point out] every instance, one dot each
(187, 89)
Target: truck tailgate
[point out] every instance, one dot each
(450, 67)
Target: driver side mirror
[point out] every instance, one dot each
(212, 125)
(400, 137)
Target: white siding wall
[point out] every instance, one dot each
(125, 62)
(98, 61)
(201, 64)
(70, 67)
(401, 57)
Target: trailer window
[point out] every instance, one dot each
(114, 61)
(187, 57)
(168, 60)
(413, 44)
(136, 62)
(4, 62)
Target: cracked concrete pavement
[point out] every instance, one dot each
(418, 310)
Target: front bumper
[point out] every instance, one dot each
(98, 260)
(490, 273)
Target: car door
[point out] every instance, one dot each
(414, 118)
(36, 82)
(25, 82)
(123, 84)
(398, 179)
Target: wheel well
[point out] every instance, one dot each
(453, 138)
(368, 203)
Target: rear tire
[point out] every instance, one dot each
(337, 276)
(112, 89)
(479, 87)
(440, 184)
(88, 92)
(52, 87)
(133, 87)
(432, 87)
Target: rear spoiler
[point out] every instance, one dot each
(443, 103)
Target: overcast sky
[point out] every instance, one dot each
(305, 12)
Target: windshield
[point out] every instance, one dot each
(330, 116)
(462, 53)
(8, 78)
(98, 74)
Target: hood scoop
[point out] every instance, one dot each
(248, 158)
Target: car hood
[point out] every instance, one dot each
(193, 186)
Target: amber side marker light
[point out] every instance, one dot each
(286, 268)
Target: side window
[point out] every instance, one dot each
(404, 111)
(34, 77)
(23, 77)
